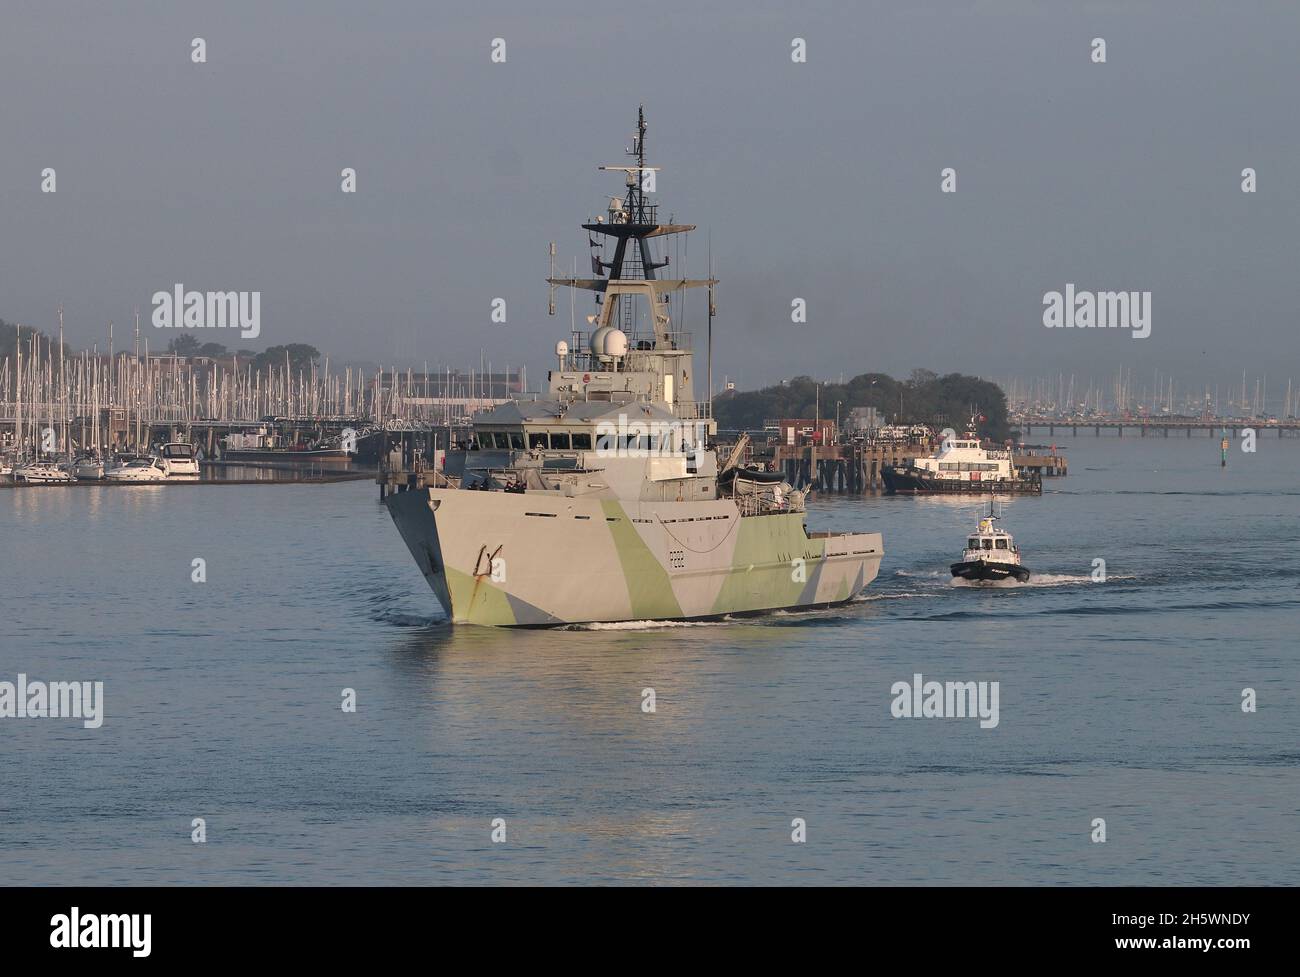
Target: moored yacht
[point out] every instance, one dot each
(88, 468)
(180, 459)
(138, 470)
(42, 472)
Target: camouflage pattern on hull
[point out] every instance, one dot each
(498, 558)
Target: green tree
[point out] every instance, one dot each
(184, 344)
(925, 398)
(299, 356)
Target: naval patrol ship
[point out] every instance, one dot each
(605, 501)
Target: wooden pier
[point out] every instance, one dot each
(1158, 426)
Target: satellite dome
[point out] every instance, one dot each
(615, 343)
(598, 340)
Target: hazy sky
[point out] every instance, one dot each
(818, 180)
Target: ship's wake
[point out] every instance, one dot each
(872, 595)
(643, 625)
(1011, 583)
(1035, 579)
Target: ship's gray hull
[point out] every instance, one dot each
(541, 559)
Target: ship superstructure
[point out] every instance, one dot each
(605, 500)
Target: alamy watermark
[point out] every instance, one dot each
(76, 930)
(1098, 310)
(53, 700)
(634, 438)
(920, 699)
(208, 310)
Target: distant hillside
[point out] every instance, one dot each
(925, 398)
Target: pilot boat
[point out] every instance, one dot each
(991, 555)
(604, 500)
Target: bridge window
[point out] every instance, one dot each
(516, 440)
(537, 439)
(972, 543)
(560, 440)
(988, 544)
(1002, 544)
(582, 442)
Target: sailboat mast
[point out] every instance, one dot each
(63, 391)
(135, 383)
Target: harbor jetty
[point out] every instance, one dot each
(856, 468)
(1158, 426)
(816, 454)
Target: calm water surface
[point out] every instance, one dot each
(1118, 700)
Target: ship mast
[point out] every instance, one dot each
(632, 272)
(619, 359)
(636, 192)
